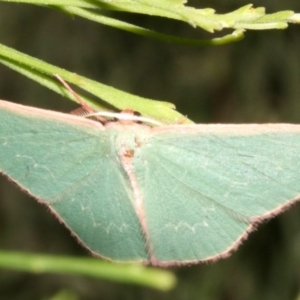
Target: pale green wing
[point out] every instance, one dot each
(71, 165)
(205, 186)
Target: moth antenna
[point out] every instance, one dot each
(77, 97)
(85, 110)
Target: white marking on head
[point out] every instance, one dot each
(124, 116)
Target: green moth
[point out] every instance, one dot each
(163, 195)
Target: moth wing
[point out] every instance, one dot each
(205, 187)
(69, 164)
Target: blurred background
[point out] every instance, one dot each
(254, 80)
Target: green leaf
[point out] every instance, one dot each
(235, 36)
(246, 17)
(130, 274)
(42, 72)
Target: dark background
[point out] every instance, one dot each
(255, 80)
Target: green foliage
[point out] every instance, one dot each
(241, 19)
(132, 274)
(43, 72)
(245, 17)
